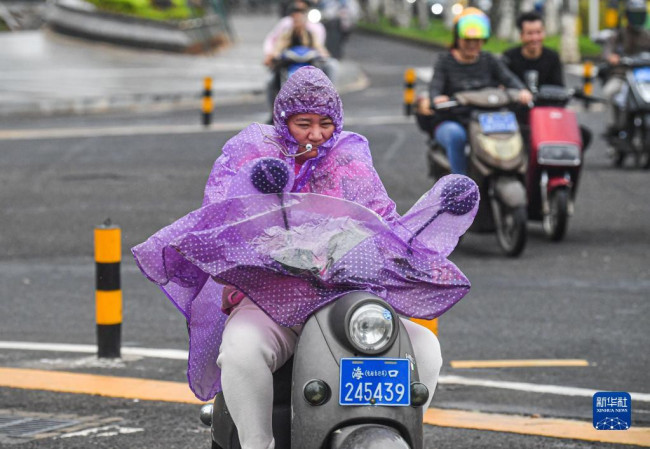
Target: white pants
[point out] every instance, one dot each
(254, 346)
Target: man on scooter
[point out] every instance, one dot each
(535, 64)
(632, 39)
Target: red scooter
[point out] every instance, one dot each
(555, 162)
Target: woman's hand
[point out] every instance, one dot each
(525, 96)
(440, 99)
(231, 296)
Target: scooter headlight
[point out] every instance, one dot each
(559, 154)
(371, 328)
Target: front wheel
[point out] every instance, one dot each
(368, 436)
(557, 220)
(644, 157)
(511, 228)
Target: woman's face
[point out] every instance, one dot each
(310, 128)
(470, 48)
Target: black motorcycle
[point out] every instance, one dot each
(634, 102)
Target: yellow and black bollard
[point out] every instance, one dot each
(588, 81)
(409, 91)
(207, 105)
(612, 16)
(108, 294)
(432, 325)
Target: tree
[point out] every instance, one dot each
(503, 19)
(569, 49)
(371, 10)
(552, 16)
(423, 14)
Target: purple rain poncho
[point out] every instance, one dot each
(239, 238)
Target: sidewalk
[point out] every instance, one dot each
(42, 72)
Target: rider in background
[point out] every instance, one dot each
(466, 67)
(533, 63)
(536, 65)
(291, 31)
(285, 25)
(628, 40)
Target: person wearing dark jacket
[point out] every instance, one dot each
(466, 67)
(533, 63)
(536, 65)
(632, 39)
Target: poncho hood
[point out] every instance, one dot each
(307, 91)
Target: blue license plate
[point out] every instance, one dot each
(375, 381)
(498, 122)
(642, 75)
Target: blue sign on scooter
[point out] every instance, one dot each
(612, 410)
(642, 75)
(375, 381)
(498, 122)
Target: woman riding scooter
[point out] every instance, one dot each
(466, 67)
(234, 345)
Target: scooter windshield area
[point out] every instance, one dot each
(292, 253)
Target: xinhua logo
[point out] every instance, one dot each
(612, 410)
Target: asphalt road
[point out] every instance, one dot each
(584, 298)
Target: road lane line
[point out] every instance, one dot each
(122, 131)
(92, 384)
(177, 354)
(546, 427)
(531, 388)
(165, 391)
(518, 363)
(174, 354)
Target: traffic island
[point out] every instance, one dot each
(83, 19)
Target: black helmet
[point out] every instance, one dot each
(636, 12)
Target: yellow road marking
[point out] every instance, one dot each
(546, 427)
(517, 363)
(116, 387)
(157, 390)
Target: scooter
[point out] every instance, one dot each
(293, 58)
(353, 380)
(555, 159)
(634, 102)
(497, 163)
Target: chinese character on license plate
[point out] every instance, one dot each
(375, 381)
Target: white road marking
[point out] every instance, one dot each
(531, 388)
(71, 133)
(105, 431)
(174, 354)
(177, 354)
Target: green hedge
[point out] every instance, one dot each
(177, 10)
(439, 35)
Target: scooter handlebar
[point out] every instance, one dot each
(445, 105)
